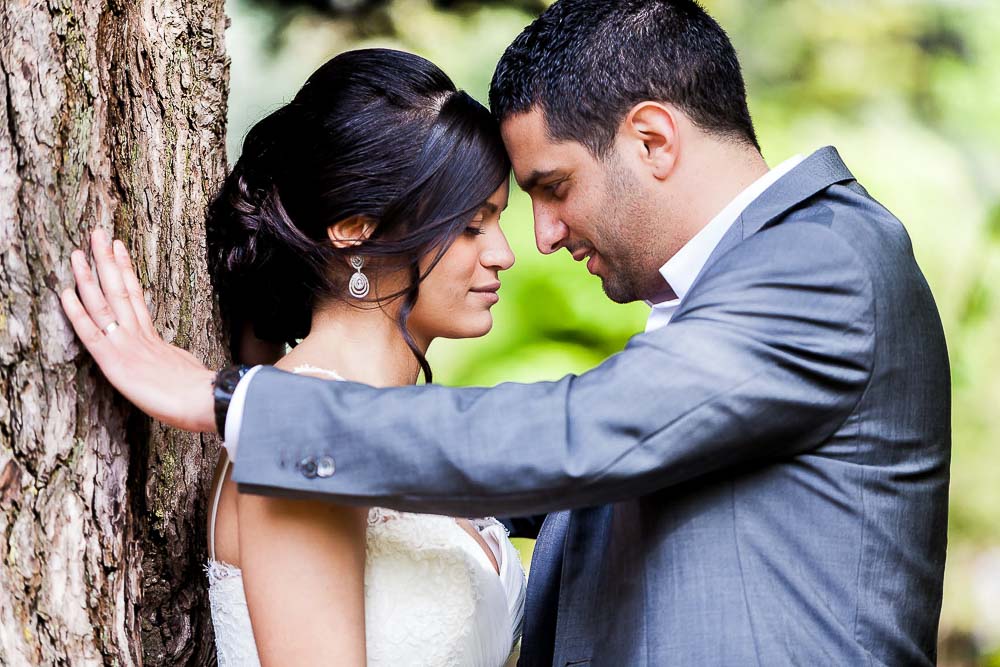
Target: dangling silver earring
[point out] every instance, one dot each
(359, 282)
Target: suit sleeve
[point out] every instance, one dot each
(768, 355)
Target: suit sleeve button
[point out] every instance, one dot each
(325, 467)
(307, 467)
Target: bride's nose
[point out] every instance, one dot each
(497, 255)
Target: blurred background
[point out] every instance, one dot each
(908, 91)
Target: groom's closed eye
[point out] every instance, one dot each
(556, 189)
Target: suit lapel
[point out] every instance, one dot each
(584, 557)
(542, 603)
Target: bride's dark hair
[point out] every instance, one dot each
(375, 133)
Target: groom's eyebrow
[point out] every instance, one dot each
(531, 182)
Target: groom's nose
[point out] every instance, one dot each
(550, 230)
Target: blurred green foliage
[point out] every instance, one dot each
(909, 92)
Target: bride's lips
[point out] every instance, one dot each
(488, 292)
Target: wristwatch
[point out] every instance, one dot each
(222, 390)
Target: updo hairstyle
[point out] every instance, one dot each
(375, 133)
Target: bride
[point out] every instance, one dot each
(362, 219)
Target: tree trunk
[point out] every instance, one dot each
(112, 114)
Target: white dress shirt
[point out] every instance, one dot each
(680, 272)
(683, 268)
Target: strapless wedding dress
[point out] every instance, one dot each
(432, 597)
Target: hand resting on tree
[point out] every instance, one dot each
(111, 319)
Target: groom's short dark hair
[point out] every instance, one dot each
(585, 63)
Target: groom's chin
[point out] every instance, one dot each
(618, 291)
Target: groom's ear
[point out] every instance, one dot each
(652, 129)
(351, 231)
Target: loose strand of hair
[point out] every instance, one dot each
(404, 316)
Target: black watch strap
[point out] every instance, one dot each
(225, 384)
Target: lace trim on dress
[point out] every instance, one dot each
(218, 571)
(381, 514)
(488, 522)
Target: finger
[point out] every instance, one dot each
(91, 296)
(135, 292)
(112, 283)
(86, 330)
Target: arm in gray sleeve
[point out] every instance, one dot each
(769, 353)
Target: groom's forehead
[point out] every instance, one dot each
(533, 153)
(525, 127)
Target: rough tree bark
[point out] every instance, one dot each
(112, 114)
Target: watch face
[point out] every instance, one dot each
(228, 378)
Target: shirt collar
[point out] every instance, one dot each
(683, 268)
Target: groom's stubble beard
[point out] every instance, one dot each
(627, 274)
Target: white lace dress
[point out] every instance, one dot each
(432, 597)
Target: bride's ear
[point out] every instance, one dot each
(350, 232)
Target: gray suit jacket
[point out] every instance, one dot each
(763, 482)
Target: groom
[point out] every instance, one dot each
(759, 479)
